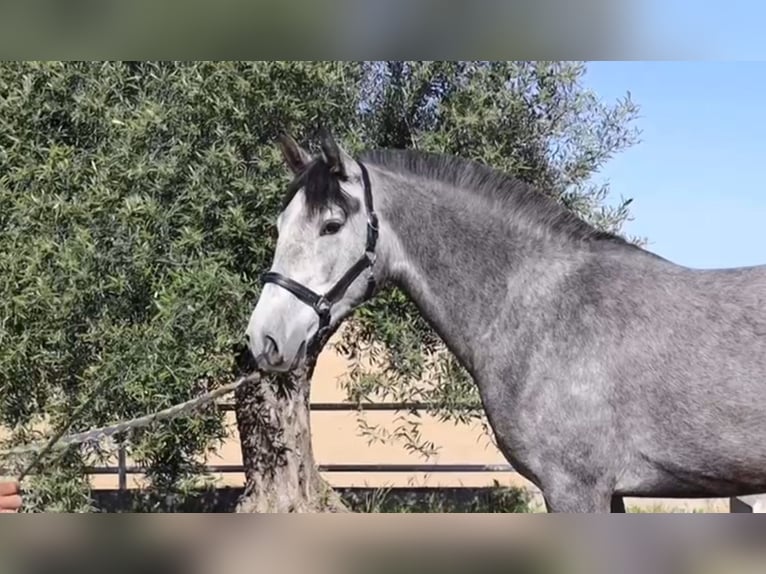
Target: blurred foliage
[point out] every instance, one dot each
(496, 498)
(137, 208)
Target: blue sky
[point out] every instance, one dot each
(690, 29)
(698, 177)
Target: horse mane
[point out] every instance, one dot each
(504, 190)
(321, 187)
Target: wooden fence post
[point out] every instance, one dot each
(121, 469)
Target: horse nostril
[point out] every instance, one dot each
(270, 347)
(247, 338)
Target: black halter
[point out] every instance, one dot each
(322, 304)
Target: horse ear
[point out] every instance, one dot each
(295, 156)
(335, 156)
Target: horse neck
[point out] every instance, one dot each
(474, 273)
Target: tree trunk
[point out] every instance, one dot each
(273, 418)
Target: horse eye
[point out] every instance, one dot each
(330, 227)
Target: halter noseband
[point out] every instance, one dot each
(323, 304)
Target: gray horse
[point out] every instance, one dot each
(605, 371)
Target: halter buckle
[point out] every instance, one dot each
(323, 306)
(372, 221)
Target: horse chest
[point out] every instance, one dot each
(518, 439)
(538, 426)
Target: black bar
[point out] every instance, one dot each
(415, 468)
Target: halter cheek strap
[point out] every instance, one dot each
(323, 304)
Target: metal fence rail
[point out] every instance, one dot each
(122, 469)
(393, 406)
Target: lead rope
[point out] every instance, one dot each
(57, 435)
(58, 441)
